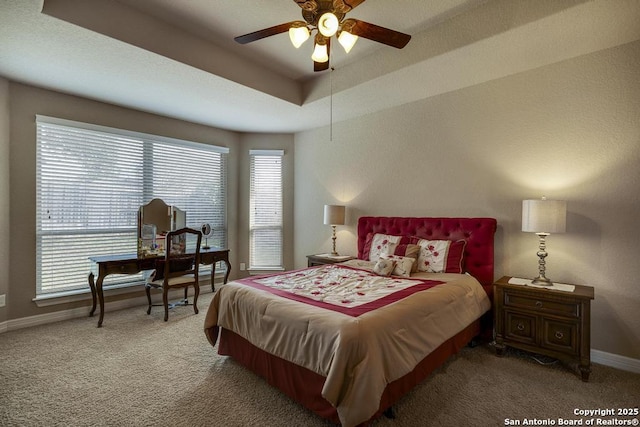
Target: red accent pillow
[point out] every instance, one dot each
(455, 257)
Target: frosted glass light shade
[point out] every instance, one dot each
(347, 40)
(334, 215)
(544, 216)
(298, 35)
(328, 24)
(320, 53)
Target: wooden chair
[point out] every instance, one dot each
(178, 269)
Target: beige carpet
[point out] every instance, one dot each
(140, 371)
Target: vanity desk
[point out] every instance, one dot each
(104, 265)
(155, 219)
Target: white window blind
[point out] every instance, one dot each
(265, 240)
(90, 182)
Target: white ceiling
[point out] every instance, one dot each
(178, 58)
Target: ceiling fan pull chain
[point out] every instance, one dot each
(331, 70)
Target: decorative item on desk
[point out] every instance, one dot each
(146, 240)
(543, 217)
(334, 215)
(207, 232)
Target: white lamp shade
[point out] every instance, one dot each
(347, 40)
(328, 24)
(320, 53)
(334, 215)
(544, 216)
(298, 35)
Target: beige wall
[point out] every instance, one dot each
(568, 131)
(25, 102)
(5, 262)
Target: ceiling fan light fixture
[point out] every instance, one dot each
(298, 33)
(320, 53)
(328, 24)
(347, 40)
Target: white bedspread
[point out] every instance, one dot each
(360, 355)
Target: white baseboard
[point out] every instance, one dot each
(616, 361)
(74, 313)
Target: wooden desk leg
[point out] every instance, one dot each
(92, 285)
(213, 275)
(100, 299)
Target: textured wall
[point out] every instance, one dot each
(4, 195)
(567, 130)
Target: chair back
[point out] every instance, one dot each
(177, 260)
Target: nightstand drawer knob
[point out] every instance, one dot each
(559, 335)
(520, 327)
(539, 304)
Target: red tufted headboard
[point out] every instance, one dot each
(478, 232)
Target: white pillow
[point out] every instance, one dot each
(433, 255)
(403, 264)
(383, 244)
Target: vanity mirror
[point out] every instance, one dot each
(155, 220)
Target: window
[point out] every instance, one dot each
(265, 222)
(90, 183)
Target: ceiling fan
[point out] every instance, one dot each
(327, 18)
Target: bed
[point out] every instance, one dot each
(350, 358)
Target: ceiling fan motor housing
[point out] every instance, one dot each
(312, 15)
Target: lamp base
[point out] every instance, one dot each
(541, 281)
(333, 237)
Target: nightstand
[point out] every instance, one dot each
(544, 321)
(321, 259)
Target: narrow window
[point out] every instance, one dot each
(265, 223)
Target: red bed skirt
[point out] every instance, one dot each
(305, 386)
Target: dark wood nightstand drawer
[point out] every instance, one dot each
(560, 336)
(520, 327)
(544, 305)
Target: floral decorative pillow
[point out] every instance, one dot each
(411, 251)
(441, 256)
(403, 264)
(377, 244)
(384, 267)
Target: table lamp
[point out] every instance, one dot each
(334, 215)
(543, 217)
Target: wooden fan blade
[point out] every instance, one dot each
(380, 34)
(322, 66)
(267, 32)
(346, 6)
